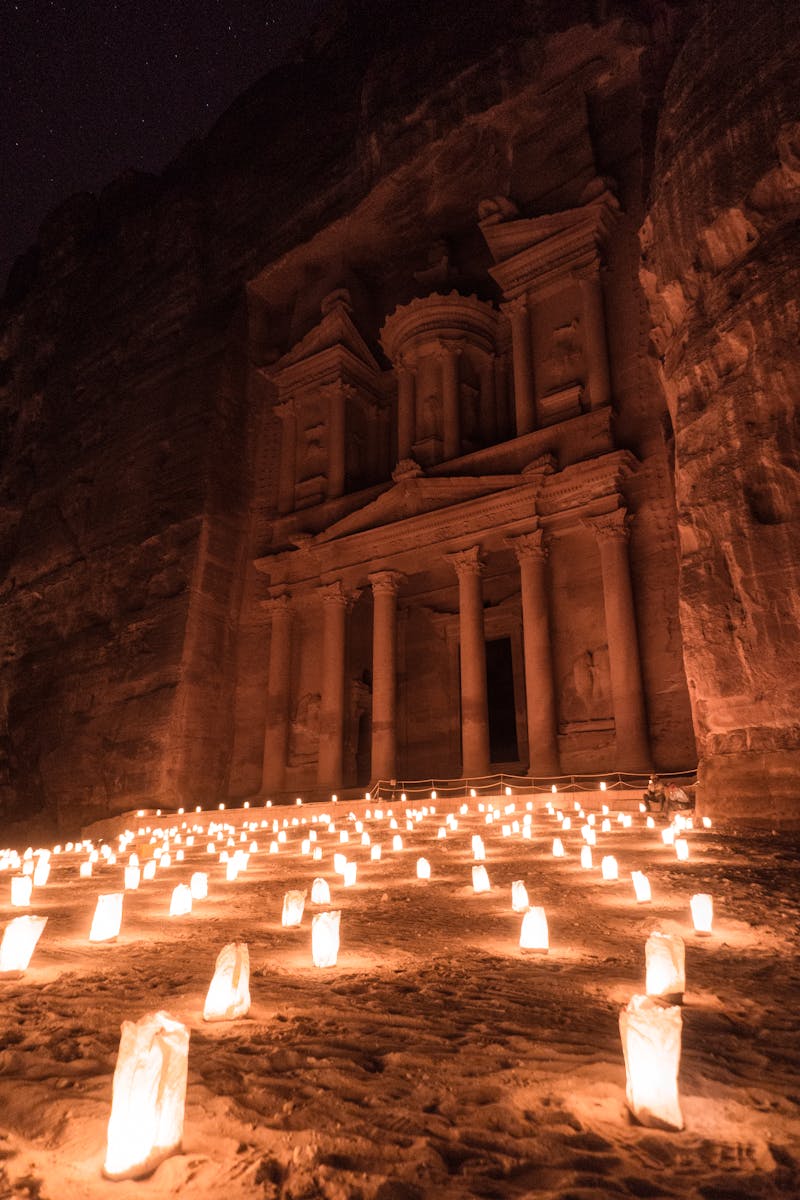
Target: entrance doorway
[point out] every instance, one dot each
(503, 747)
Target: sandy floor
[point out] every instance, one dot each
(435, 1060)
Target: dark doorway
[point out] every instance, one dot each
(500, 693)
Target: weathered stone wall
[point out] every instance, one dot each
(722, 271)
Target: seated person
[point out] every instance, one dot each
(676, 799)
(654, 796)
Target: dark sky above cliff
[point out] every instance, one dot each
(89, 88)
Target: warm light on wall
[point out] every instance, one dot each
(229, 994)
(651, 1044)
(665, 959)
(149, 1094)
(325, 938)
(534, 933)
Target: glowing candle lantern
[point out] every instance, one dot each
(294, 903)
(317, 855)
(229, 994)
(375, 853)
(132, 878)
(320, 892)
(706, 822)
(325, 938)
(480, 879)
(609, 867)
(397, 842)
(198, 885)
(586, 858)
(149, 1094)
(339, 863)
(478, 848)
(566, 824)
(350, 874)
(366, 840)
(179, 856)
(107, 918)
(519, 896)
(85, 870)
(19, 942)
(605, 825)
(681, 849)
(181, 902)
(650, 823)
(602, 786)
(651, 1044)
(702, 912)
(441, 833)
(665, 958)
(641, 886)
(149, 869)
(21, 888)
(558, 848)
(344, 836)
(423, 868)
(534, 934)
(274, 847)
(668, 836)
(231, 870)
(393, 823)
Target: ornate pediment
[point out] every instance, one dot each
(333, 343)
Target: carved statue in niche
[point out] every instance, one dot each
(304, 732)
(586, 687)
(563, 364)
(431, 414)
(311, 453)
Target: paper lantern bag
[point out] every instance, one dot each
(651, 1044)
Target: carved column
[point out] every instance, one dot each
(524, 396)
(474, 706)
(287, 469)
(335, 602)
(336, 434)
(598, 383)
(385, 586)
(451, 402)
(630, 719)
(276, 729)
(540, 694)
(488, 408)
(406, 432)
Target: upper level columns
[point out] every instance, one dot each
(406, 420)
(598, 382)
(630, 719)
(474, 705)
(540, 701)
(286, 479)
(337, 394)
(524, 395)
(385, 586)
(276, 730)
(335, 603)
(451, 401)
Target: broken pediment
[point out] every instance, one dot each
(334, 338)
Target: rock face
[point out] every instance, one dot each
(722, 273)
(140, 473)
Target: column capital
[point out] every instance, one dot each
(530, 546)
(278, 605)
(286, 408)
(467, 562)
(513, 308)
(386, 583)
(336, 594)
(610, 527)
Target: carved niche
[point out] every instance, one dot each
(585, 693)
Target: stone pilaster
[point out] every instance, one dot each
(598, 382)
(335, 603)
(385, 586)
(337, 395)
(276, 730)
(630, 719)
(287, 469)
(451, 401)
(540, 695)
(524, 394)
(475, 757)
(406, 418)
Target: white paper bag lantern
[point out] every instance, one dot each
(149, 870)
(702, 912)
(231, 870)
(325, 938)
(397, 842)
(85, 870)
(375, 853)
(423, 868)
(294, 903)
(681, 849)
(41, 873)
(350, 874)
(21, 888)
(605, 825)
(198, 885)
(558, 848)
(586, 857)
(478, 848)
(149, 1094)
(641, 886)
(339, 863)
(320, 892)
(665, 957)
(534, 934)
(107, 918)
(519, 896)
(480, 879)
(229, 994)
(132, 878)
(609, 867)
(668, 836)
(19, 942)
(317, 855)
(181, 902)
(651, 1044)
(366, 840)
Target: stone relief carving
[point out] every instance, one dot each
(304, 732)
(586, 688)
(563, 364)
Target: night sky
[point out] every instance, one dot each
(90, 88)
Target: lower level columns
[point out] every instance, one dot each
(385, 586)
(276, 730)
(335, 603)
(540, 696)
(630, 718)
(475, 758)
